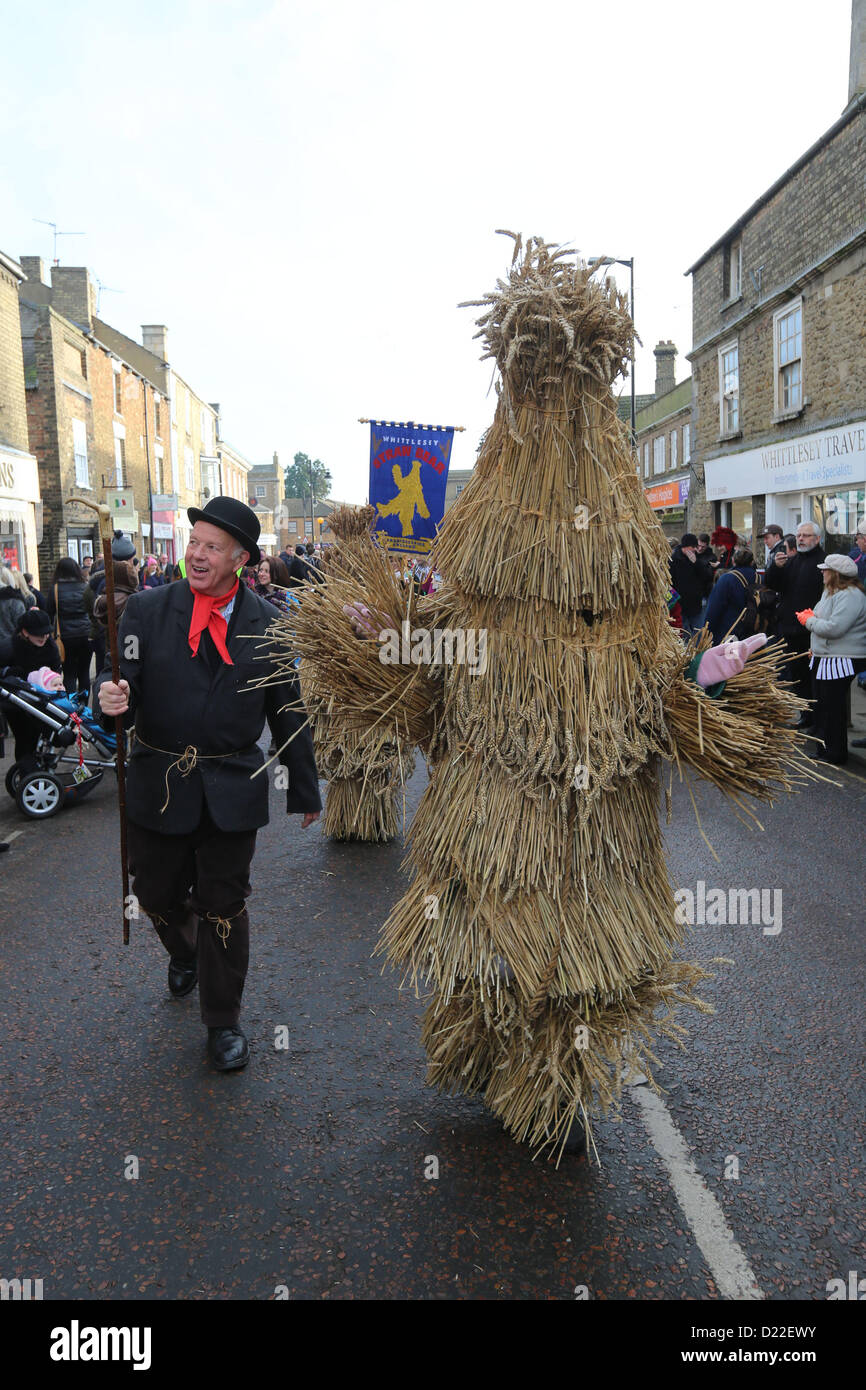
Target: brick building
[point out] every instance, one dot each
(779, 355)
(193, 433)
(20, 503)
(92, 399)
(663, 431)
(265, 484)
(455, 483)
(110, 420)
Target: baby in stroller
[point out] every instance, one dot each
(50, 727)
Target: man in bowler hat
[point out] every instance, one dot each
(189, 652)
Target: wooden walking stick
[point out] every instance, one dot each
(106, 532)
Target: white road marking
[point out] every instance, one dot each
(11, 835)
(729, 1267)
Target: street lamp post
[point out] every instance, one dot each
(595, 262)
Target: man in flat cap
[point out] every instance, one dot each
(188, 654)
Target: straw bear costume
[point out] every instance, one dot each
(551, 952)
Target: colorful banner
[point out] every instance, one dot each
(408, 473)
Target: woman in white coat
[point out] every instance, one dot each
(838, 631)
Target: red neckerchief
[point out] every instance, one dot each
(204, 615)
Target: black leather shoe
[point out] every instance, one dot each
(182, 976)
(227, 1048)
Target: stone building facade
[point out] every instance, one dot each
(265, 484)
(779, 355)
(663, 433)
(20, 500)
(93, 398)
(110, 420)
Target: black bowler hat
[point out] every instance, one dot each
(235, 517)
(36, 622)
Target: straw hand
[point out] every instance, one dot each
(363, 620)
(728, 659)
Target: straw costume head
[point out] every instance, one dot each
(551, 954)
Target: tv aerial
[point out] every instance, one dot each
(53, 226)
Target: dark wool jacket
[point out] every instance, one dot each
(12, 610)
(691, 581)
(800, 584)
(74, 616)
(178, 700)
(728, 600)
(23, 656)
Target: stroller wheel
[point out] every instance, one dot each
(39, 795)
(13, 777)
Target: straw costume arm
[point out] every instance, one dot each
(731, 722)
(373, 682)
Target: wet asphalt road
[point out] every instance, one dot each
(306, 1172)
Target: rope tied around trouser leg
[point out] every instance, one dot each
(156, 918)
(224, 925)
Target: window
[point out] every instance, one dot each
(79, 450)
(687, 443)
(260, 491)
(189, 467)
(733, 270)
(188, 414)
(659, 454)
(175, 473)
(159, 468)
(157, 429)
(839, 514)
(788, 333)
(729, 389)
(118, 392)
(646, 460)
(458, 488)
(673, 449)
(120, 461)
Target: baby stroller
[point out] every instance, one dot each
(68, 733)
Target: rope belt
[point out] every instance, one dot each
(224, 925)
(185, 762)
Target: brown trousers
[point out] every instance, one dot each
(193, 887)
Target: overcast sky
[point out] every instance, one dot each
(304, 192)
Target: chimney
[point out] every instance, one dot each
(153, 336)
(34, 269)
(666, 372)
(72, 294)
(857, 62)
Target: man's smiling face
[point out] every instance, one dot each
(212, 557)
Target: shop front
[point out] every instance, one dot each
(20, 512)
(668, 501)
(818, 477)
(164, 522)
